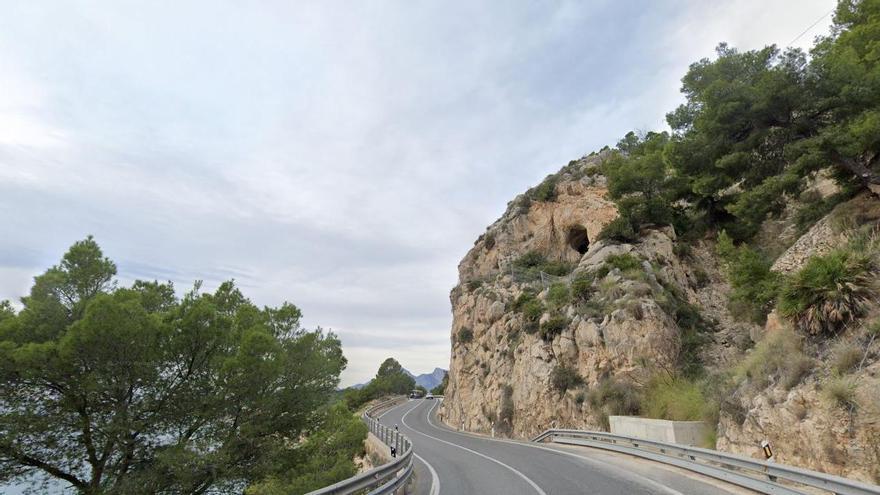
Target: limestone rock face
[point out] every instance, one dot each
(503, 359)
(806, 425)
(504, 369)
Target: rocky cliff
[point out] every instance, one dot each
(554, 328)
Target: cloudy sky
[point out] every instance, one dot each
(340, 155)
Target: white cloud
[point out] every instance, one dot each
(341, 156)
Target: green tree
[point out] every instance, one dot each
(326, 456)
(390, 379)
(641, 183)
(441, 389)
(844, 79)
(730, 138)
(130, 390)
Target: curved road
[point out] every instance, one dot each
(454, 463)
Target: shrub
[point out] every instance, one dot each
(614, 397)
(841, 392)
(693, 326)
(624, 262)
(845, 357)
(533, 262)
(465, 335)
(553, 327)
(582, 286)
(531, 259)
(580, 398)
(777, 357)
(557, 268)
(815, 207)
(545, 191)
(682, 250)
(531, 308)
(755, 287)
(829, 291)
(620, 230)
(473, 285)
(558, 295)
(673, 398)
(505, 414)
(564, 377)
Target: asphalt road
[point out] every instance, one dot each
(454, 463)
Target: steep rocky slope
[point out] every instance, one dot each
(552, 328)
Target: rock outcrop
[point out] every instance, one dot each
(501, 375)
(536, 347)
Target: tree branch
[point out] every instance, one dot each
(44, 466)
(870, 179)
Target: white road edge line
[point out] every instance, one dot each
(496, 461)
(607, 466)
(435, 480)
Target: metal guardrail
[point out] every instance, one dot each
(761, 476)
(383, 479)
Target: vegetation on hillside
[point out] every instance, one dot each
(129, 390)
(390, 379)
(755, 127)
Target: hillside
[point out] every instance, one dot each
(725, 272)
(426, 380)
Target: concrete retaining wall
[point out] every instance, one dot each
(691, 433)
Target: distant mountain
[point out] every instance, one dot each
(429, 380)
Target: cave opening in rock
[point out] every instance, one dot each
(577, 239)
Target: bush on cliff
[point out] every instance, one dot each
(565, 377)
(755, 287)
(553, 326)
(830, 291)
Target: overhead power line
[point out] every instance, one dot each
(805, 31)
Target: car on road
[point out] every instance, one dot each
(430, 396)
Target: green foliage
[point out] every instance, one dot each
(620, 230)
(531, 309)
(465, 335)
(755, 287)
(558, 295)
(390, 379)
(582, 286)
(814, 208)
(777, 358)
(754, 127)
(473, 285)
(131, 390)
(624, 262)
(441, 389)
(841, 392)
(504, 423)
(325, 457)
(553, 326)
(830, 291)
(676, 399)
(545, 191)
(7, 312)
(613, 397)
(845, 357)
(564, 377)
(531, 259)
(694, 328)
(532, 263)
(639, 180)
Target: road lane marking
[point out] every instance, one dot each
(605, 465)
(496, 461)
(435, 480)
